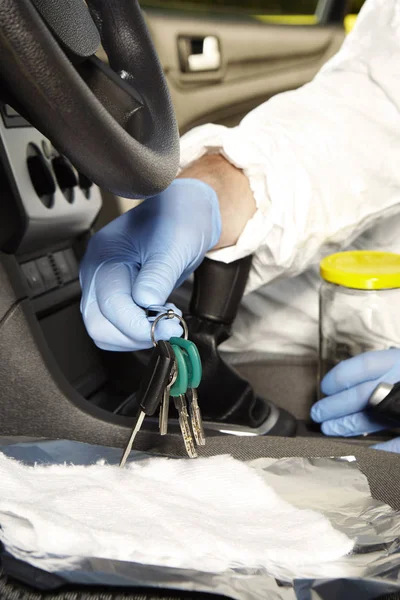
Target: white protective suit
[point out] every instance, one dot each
(323, 163)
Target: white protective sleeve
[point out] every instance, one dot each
(323, 160)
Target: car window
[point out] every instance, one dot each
(355, 7)
(293, 12)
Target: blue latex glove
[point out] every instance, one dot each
(348, 387)
(138, 259)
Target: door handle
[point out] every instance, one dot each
(199, 54)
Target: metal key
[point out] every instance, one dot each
(128, 447)
(196, 419)
(164, 408)
(164, 412)
(193, 363)
(181, 407)
(150, 393)
(178, 391)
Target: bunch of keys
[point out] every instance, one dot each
(174, 370)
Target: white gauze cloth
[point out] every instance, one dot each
(209, 514)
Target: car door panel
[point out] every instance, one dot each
(258, 60)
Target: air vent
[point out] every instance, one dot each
(41, 175)
(66, 177)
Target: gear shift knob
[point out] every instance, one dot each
(218, 289)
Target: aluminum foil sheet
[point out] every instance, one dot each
(334, 487)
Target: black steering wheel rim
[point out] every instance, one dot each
(116, 126)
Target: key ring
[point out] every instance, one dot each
(169, 314)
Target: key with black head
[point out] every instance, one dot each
(150, 394)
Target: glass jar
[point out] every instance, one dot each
(359, 305)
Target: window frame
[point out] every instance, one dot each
(326, 12)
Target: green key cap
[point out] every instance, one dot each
(182, 381)
(195, 370)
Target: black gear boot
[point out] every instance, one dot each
(228, 402)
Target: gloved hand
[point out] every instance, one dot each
(138, 259)
(348, 387)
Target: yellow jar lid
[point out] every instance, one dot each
(362, 270)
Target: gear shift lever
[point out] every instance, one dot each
(225, 396)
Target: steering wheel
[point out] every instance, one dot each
(114, 122)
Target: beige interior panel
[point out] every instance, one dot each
(259, 60)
